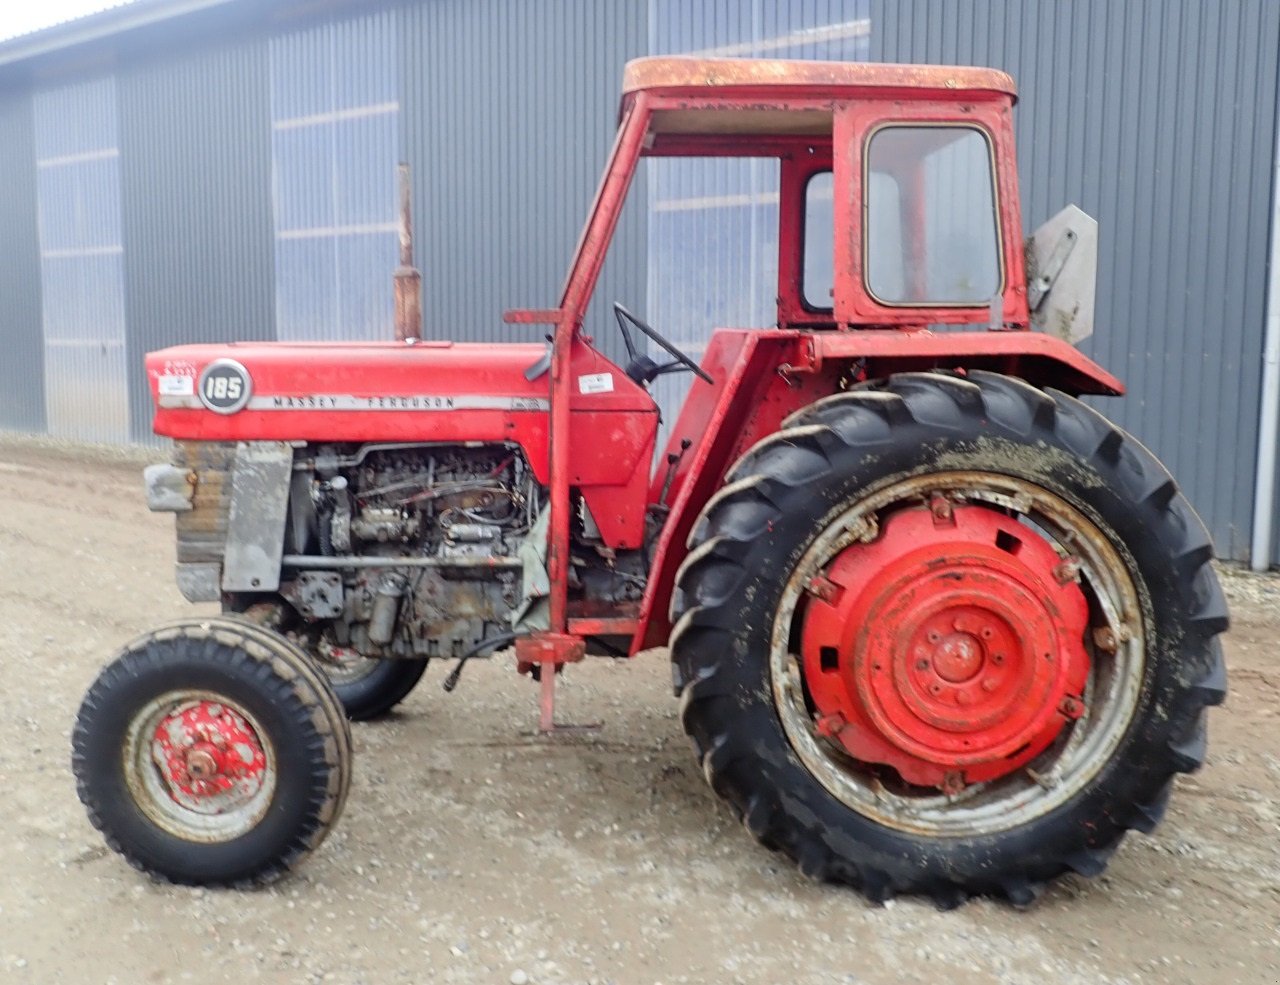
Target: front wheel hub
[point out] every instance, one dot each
(949, 648)
(208, 757)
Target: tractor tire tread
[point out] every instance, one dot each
(249, 653)
(758, 491)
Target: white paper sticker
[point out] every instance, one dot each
(596, 383)
(177, 386)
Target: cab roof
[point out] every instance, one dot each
(702, 101)
(730, 77)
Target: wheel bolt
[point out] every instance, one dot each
(934, 637)
(997, 658)
(935, 688)
(201, 764)
(962, 698)
(922, 665)
(989, 684)
(987, 632)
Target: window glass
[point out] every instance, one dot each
(931, 231)
(819, 241)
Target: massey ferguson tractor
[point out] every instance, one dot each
(936, 626)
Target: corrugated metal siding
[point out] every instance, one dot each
(509, 111)
(21, 334)
(81, 261)
(1156, 118)
(713, 228)
(335, 137)
(195, 174)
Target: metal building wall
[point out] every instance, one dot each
(82, 261)
(21, 335)
(1157, 118)
(509, 111)
(195, 172)
(334, 138)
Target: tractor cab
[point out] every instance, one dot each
(898, 197)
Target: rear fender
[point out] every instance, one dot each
(762, 377)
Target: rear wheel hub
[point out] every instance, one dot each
(950, 648)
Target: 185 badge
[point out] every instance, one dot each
(225, 386)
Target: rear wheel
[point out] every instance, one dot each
(948, 636)
(367, 687)
(210, 752)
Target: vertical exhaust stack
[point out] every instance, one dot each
(408, 281)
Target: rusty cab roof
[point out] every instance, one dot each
(743, 97)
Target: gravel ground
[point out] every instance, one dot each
(473, 851)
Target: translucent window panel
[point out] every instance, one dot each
(365, 303)
(81, 261)
(334, 151)
(819, 241)
(83, 299)
(932, 235)
(306, 289)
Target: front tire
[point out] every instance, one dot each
(211, 752)
(844, 603)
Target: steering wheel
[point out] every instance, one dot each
(640, 367)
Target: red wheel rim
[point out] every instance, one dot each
(209, 757)
(950, 648)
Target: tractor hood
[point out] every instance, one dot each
(375, 391)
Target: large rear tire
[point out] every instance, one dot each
(851, 729)
(212, 752)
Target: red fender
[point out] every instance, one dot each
(763, 376)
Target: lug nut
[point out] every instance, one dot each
(201, 764)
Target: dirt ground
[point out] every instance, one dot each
(472, 851)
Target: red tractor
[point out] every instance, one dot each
(936, 625)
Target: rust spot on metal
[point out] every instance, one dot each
(824, 588)
(940, 507)
(1068, 570)
(1105, 639)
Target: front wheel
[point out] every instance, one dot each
(211, 752)
(948, 635)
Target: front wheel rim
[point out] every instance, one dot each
(199, 766)
(1109, 696)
